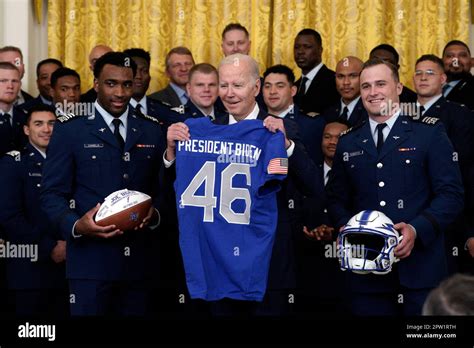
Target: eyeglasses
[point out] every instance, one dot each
(429, 72)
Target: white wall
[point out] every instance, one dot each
(18, 27)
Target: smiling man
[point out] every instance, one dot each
(179, 61)
(235, 39)
(203, 91)
(38, 288)
(406, 169)
(88, 159)
(239, 84)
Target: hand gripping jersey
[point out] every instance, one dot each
(227, 177)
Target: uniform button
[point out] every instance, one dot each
(407, 161)
(38, 185)
(382, 203)
(325, 211)
(148, 156)
(379, 165)
(125, 176)
(94, 157)
(381, 184)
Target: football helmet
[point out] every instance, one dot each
(367, 243)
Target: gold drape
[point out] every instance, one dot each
(348, 27)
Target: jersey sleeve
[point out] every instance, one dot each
(274, 164)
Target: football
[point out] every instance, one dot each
(124, 208)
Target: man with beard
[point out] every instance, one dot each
(457, 64)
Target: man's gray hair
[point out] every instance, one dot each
(235, 59)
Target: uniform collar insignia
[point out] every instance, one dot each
(102, 130)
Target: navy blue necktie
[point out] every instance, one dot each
(302, 89)
(345, 113)
(117, 122)
(380, 128)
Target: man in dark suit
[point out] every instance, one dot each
(349, 109)
(12, 117)
(390, 54)
(179, 61)
(44, 69)
(457, 64)
(37, 281)
(316, 87)
(14, 55)
(406, 169)
(88, 159)
(96, 52)
(241, 104)
(458, 120)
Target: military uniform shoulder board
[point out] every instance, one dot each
(13, 153)
(429, 120)
(348, 130)
(66, 117)
(150, 118)
(157, 101)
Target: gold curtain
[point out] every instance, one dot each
(348, 27)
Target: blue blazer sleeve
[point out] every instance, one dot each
(57, 181)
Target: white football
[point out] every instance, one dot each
(124, 208)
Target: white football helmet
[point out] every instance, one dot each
(367, 243)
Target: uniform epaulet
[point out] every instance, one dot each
(157, 101)
(66, 117)
(428, 120)
(348, 130)
(13, 153)
(149, 118)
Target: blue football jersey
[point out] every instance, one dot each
(227, 177)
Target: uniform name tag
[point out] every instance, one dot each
(35, 174)
(356, 153)
(93, 146)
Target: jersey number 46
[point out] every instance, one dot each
(228, 194)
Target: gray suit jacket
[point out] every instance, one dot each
(167, 95)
